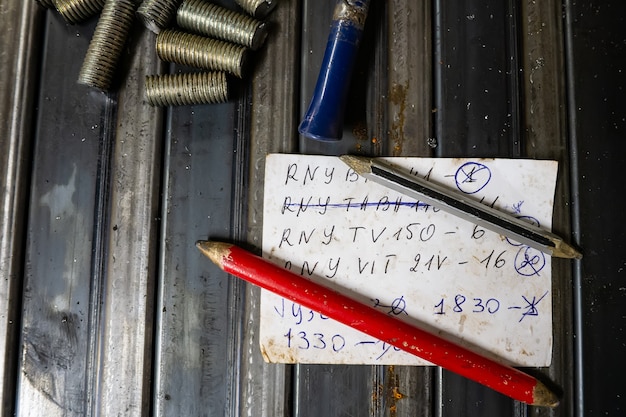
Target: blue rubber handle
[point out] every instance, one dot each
(324, 118)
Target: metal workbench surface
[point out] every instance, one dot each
(107, 308)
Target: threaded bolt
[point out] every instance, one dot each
(77, 11)
(201, 52)
(107, 44)
(157, 14)
(257, 8)
(211, 20)
(186, 89)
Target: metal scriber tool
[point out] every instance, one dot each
(461, 206)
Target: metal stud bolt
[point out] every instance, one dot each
(157, 14)
(77, 11)
(208, 19)
(257, 8)
(186, 89)
(201, 52)
(107, 44)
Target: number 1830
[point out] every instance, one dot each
(461, 303)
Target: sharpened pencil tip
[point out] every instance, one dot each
(215, 251)
(563, 250)
(360, 164)
(544, 397)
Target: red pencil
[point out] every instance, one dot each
(256, 270)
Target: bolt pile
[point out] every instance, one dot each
(215, 40)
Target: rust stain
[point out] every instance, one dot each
(397, 394)
(360, 131)
(272, 354)
(360, 134)
(397, 96)
(377, 396)
(393, 393)
(264, 354)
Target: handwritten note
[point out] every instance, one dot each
(408, 259)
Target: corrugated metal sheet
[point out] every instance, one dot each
(106, 308)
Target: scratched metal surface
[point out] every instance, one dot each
(371, 390)
(476, 100)
(18, 82)
(596, 41)
(106, 308)
(61, 260)
(130, 247)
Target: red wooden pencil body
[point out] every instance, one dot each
(256, 270)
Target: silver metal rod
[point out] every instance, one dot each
(461, 206)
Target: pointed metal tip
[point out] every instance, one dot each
(360, 164)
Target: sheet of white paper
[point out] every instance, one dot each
(416, 263)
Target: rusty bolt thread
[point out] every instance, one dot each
(107, 44)
(156, 15)
(186, 89)
(201, 52)
(257, 8)
(211, 20)
(45, 3)
(77, 11)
